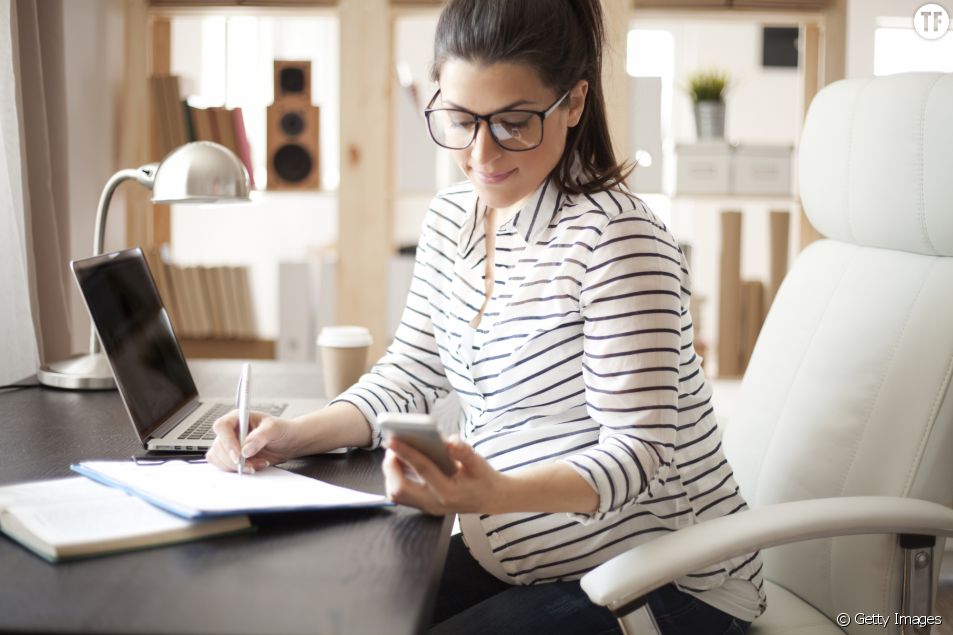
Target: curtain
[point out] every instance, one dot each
(18, 350)
(42, 80)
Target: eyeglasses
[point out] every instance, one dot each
(513, 130)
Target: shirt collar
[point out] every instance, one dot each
(535, 215)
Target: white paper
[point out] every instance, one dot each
(55, 491)
(205, 489)
(95, 521)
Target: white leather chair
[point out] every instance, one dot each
(843, 437)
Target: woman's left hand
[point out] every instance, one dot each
(474, 487)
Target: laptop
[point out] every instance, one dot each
(147, 361)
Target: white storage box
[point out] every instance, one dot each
(762, 170)
(703, 168)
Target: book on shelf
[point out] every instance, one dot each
(244, 148)
(200, 301)
(205, 301)
(169, 126)
(76, 517)
(225, 126)
(202, 124)
(179, 298)
(211, 301)
(226, 298)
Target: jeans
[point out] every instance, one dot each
(471, 601)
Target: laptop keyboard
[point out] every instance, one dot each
(202, 428)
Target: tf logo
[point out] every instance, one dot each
(931, 21)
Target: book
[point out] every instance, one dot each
(158, 268)
(202, 124)
(213, 303)
(246, 313)
(225, 126)
(198, 300)
(187, 321)
(200, 490)
(75, 517)
(230, 302)
(244, 149)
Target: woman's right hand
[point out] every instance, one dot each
(270, 441)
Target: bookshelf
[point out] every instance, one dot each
(159, 230)
(367, 218)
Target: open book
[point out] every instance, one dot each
(200, 490)
(76, 517)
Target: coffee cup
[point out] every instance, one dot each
(343, 352)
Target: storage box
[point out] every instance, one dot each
(762, 170)
(703, 168)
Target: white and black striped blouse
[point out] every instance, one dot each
(584, 354)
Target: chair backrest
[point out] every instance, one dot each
(848, 390)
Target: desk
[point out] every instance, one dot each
(329, 572)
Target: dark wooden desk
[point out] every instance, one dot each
(338, 572)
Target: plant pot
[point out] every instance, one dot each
(710, 119)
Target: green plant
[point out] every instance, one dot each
(707, 85)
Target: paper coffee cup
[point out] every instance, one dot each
(343, 357)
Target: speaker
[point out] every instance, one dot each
(293, 130)
(292, 80)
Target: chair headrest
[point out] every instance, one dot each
(876, 162)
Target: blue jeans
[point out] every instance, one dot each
(471, 601)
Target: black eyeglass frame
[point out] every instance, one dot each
(542, 114)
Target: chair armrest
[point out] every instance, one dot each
(642, 569)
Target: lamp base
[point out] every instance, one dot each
(81, 372)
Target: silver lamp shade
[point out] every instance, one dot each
(198, 172)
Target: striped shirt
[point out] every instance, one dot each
(584, 354)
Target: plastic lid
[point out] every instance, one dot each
(344, 336)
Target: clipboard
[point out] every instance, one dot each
(200, 490)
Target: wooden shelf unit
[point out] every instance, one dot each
(227, 349)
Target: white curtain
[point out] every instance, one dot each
(18, 351)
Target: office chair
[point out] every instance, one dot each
(843, 438)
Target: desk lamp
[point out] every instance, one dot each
(197, 172)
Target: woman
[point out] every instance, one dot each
(555, 305)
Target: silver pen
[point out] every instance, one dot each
(243, 388)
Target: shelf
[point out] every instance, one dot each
(227, 349)
(728, 198)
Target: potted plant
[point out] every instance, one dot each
(707, 90)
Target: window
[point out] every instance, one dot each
(229, 60)
(901, 50)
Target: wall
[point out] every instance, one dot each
(93, 50)
(762, 108)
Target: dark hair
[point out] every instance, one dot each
(561, 40)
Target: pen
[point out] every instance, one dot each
(243, 387)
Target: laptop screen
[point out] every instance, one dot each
(137, 337)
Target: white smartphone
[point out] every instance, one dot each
(421, 433)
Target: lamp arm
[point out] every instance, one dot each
(145, 176)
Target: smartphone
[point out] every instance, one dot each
(421, 433)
